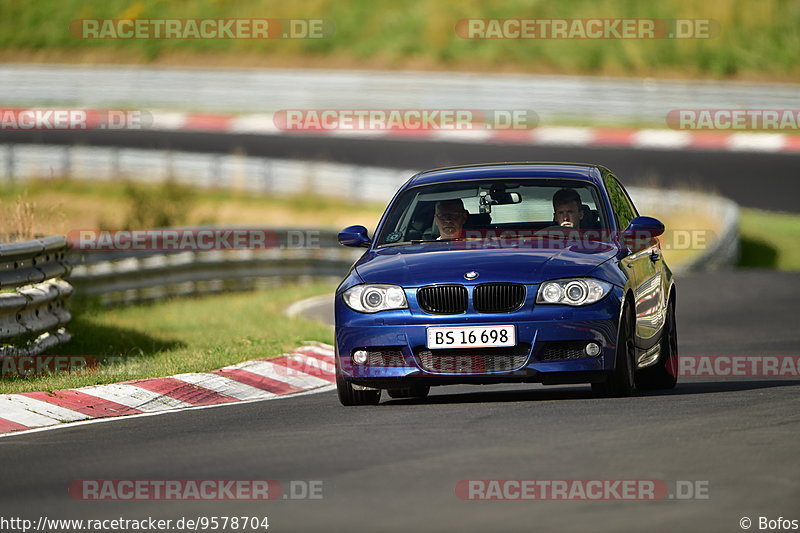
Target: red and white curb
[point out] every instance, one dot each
(664, 139)
(309, 368)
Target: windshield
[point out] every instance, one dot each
(466, 209)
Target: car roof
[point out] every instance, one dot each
(525, 169)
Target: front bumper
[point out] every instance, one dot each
(538, 329)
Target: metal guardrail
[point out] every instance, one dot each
(24, 263)
(241, 172)
(284, 176)
(32, 310)
(723, 251)
(119, 278)
(281, 176)
(124, 277)
(584, 99)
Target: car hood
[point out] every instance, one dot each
(448, 262)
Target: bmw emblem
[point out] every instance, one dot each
(471, 274)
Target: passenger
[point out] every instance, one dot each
(450, 218)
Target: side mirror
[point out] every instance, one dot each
(354, 236)
(641, 231)
(645, 226)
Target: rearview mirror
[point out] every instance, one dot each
(354, 236)
(498, 198)
(504, 198)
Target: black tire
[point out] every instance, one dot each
(349, 396)
(664, 374)
(621, 381)
(414, 391)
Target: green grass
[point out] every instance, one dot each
(61, 205)
(186, 335)
(757, 40)
(770, 240)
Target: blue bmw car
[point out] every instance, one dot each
(501, 273)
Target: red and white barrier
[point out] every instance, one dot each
(308, 368)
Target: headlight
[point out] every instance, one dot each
(576, 291)
(373, 298)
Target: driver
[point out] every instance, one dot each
(567, 211)
(450, 218)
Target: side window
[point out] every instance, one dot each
(623, 208)
(634, 211)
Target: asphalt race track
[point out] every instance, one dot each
(395, 466)
(753, 179)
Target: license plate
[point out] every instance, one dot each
(472, 337)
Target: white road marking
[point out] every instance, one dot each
(302, 360)
(288, 375)
(41, 415)
(563, 135)
(223, 385)
(667, 139)
(132, 396)
(33, 413)
(330, 387)
(757, 142)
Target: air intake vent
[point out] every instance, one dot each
(560, 351)
(388, 356)
(498, 297)
(473, 360)
(443, 299)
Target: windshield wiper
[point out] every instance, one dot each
(419, 241)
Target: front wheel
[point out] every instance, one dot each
(349, 396)
(621, 382)
(664, 374)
